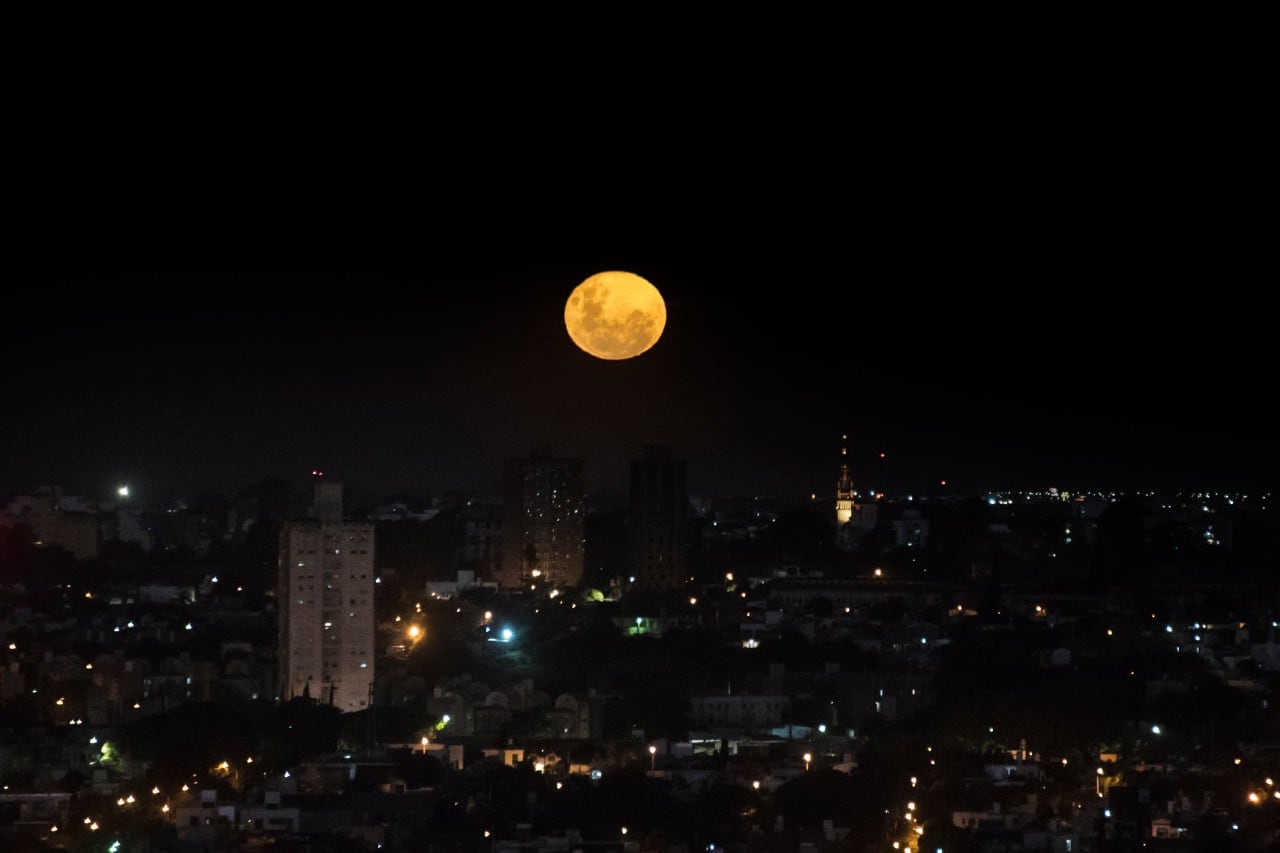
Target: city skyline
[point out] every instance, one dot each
(202, 355)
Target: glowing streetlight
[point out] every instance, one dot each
(424, 746)
(653, 756)
(807, 758)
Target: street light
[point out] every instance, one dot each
(653, 752)
(807, 758)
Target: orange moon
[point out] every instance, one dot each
(615, 315)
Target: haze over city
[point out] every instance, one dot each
(190, 354)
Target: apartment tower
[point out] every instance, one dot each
(656, 519)
(543, 522)
(325, 599)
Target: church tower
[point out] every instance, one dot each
(852, 518)
(844, 488)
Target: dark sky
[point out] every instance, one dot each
(1008, 345)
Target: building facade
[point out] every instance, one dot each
(58, 520)
(325, 596)
(657, 519)
(543, 522)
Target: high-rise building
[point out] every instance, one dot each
(57, 519)
(481, 548)
(325, 595)
(656, 519)
(543, 522)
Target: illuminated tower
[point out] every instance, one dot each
(325, 598)
(852, 518)
(844, 489)
(543, 522)
(656, 524)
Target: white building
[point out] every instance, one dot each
(325, 595)
(739, 710)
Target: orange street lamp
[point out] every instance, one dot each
(807, 758)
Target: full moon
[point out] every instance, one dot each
(615, 315)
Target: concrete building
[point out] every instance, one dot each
(544, 522)
(739, 710)
(481, 548)
(325, 595)
(657, 519)
(57, 520)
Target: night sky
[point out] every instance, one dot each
(994, 350)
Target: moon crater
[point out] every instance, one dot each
(615, 315)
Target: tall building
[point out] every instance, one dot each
(543, 522)
(325, 594)
(57, 519)
(481, 548)
(852, 517)
(656, 519)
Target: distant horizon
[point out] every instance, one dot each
(999, 352)
(299, 488)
